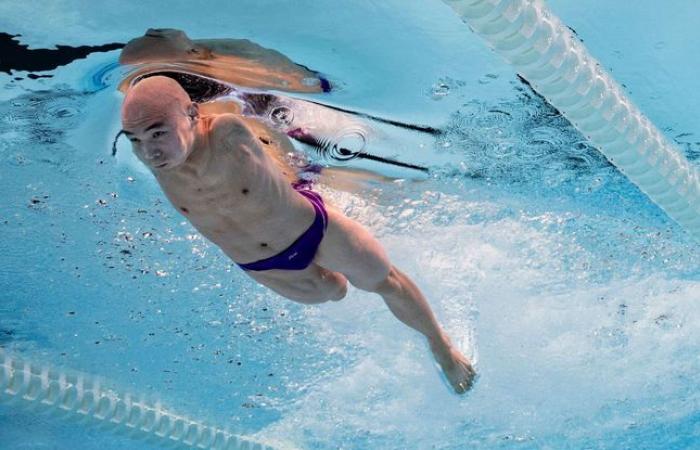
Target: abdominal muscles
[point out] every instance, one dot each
(247, 234)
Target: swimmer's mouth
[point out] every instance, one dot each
(160, 166)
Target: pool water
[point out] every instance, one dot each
(574, 294)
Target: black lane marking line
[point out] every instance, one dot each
(409, 126)
(319, 147)
(381, 159)
(17, 56)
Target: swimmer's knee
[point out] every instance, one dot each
(315, 293)
(375, 280)
(340, 291)
(390, 283)
(335, 291)
(333, 285)
(307, 298)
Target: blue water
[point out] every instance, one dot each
(575, 295)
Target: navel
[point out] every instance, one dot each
(245, 191)
(185, 210)
(263, 140)
(263, 244)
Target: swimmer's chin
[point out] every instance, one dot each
(163, 166)
(167, 166)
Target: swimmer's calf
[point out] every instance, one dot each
(216, 172)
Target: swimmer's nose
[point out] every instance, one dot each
(154, 155)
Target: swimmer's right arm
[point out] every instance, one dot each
(231, 133)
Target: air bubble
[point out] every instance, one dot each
(282, 115)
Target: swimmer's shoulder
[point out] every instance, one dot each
(226, 126)
(230, 133)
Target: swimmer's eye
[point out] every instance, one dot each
(134, 140)
(158, 134)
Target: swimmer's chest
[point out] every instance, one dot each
(234, 191)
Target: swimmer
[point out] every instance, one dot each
(235, 192)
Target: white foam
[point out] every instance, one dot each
(555, 348)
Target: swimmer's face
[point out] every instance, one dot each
(163, 141)
(161, 45)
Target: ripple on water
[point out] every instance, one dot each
(443, 87)
(42, 111)
(520, 141)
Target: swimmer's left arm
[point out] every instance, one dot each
(270, 64)
(237, 61)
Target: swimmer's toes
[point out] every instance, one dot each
(458, 370)
(464, 379)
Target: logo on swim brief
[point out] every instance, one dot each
(292, 255)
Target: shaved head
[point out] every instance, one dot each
(161, 121)
(153, 97)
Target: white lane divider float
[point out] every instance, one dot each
(558, 66)
(84, 397)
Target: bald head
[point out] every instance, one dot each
(161, 122)
(152, 98)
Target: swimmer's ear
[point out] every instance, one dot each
(193, 111)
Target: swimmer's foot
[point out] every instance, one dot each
(455, 366)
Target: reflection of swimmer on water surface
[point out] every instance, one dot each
(237, 61)
(239, 73)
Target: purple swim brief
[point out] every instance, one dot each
(299, 255)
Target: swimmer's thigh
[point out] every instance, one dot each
(311, 285)
(349, 248)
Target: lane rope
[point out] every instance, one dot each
(86, 398)
(559, 67)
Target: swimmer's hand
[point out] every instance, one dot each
(456, 367)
